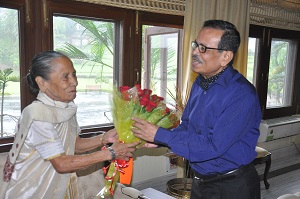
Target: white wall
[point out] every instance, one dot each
(151, 163)
(280, 143)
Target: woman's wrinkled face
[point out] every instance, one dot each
(62, 82)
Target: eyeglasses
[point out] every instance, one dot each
(202, 48)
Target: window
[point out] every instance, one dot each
(272, 61)
(281, 73)
(91, 46)
(160, 59)
(9, 71)
(252, 58)
(161, 62)
(99, 44)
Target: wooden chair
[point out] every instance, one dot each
(263, 156)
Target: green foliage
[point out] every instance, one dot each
(101, 42)
(9, 39)
(4, 78)
(277, 70)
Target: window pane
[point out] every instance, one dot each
(90, 45)
(281, 73)
(9, 71)
(252, 64)
(160, 61)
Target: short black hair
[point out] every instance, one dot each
(230, 40)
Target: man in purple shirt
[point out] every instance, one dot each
(220, 123)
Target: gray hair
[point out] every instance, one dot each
(41, 65)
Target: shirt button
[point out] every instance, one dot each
(204, 92)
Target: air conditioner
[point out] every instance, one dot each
(272, 129)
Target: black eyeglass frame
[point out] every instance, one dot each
(195, 44)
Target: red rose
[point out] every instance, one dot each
(144, 101)
(124, 91)
(156, 98)
(150, 106)
(139, 90)
(124, 88)
(147, 92)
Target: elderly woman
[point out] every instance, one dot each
(42, 159)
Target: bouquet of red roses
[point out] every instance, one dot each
(140, 103)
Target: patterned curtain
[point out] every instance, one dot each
(282, 14)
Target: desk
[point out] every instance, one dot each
(154, 194)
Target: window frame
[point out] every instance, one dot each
(265, 35)
(92, 11)
(162, 31)
(154, 19)
(26, 29)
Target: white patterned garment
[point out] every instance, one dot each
(34, 176)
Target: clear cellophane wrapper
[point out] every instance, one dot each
(126, 104)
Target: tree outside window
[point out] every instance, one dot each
(9, 71)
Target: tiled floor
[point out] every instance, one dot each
(284, 175)
(288, 183)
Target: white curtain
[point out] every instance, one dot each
(198, 11)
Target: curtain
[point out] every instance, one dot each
(198, 11)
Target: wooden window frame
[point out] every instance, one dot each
(265, 34)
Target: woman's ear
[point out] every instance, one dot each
(227, 57)
(41, 83)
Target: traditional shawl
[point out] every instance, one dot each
(37, 111)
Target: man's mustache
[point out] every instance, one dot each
(196, 58)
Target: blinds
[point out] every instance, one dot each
(173, 7)
(282, 14)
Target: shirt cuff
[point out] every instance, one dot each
(162, 136)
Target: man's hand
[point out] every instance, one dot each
(149, 145)
(144, 130)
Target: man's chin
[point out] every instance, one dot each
(196, 69)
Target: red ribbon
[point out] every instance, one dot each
(119, 164)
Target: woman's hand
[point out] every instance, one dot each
(124, 151)
(110, 136)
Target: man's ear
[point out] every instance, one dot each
(41, 83)
(227, 57)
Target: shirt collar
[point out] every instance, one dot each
(222, 78)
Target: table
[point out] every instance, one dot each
(154, 194)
